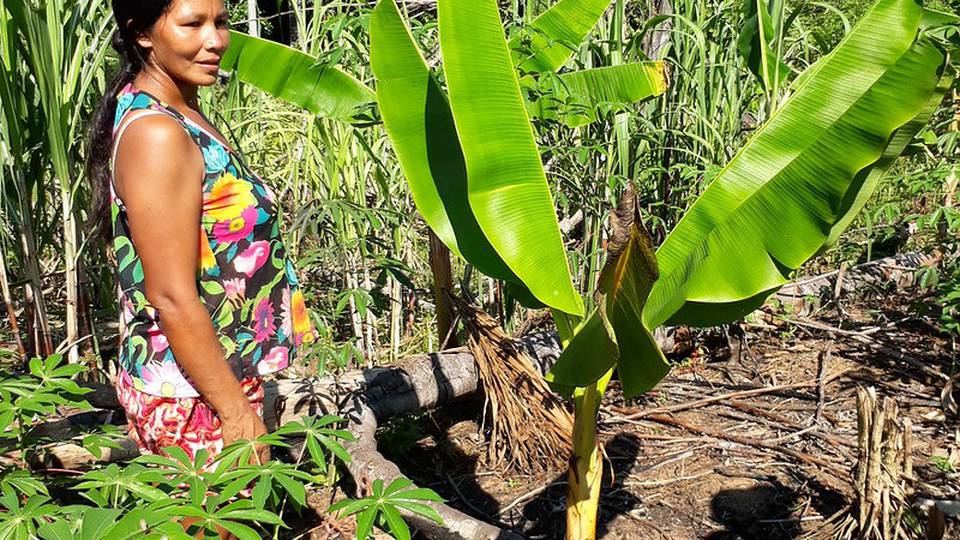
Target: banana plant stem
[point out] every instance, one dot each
(586, 466)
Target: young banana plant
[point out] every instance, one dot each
(785, 196)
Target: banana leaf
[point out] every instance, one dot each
(776, 202)
(614, 334)
(581, 97)
(506, 183)
(296, 77)
(547, 42)
(867, 180)
(418, 120)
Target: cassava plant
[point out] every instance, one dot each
(149, 497)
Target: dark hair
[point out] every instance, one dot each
(132, 17)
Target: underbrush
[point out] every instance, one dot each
(151, 496)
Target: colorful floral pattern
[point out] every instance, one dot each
(190, 423)
(244, 277)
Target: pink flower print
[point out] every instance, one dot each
(236, 289)
(252, 258)
(263, 324)
(158, 341)
(275, 360)
(237, 228)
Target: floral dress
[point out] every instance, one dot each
(244, 277)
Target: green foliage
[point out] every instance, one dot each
(296, 77)
(28, 399)
(148, 497)
(944, 286)
(761, 41)
(383, 507)
(615, 334)
(320, 438)
(767, 189)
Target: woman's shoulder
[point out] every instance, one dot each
(153, 147)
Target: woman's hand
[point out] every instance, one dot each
(245, 424)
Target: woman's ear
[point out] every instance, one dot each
(144, 41)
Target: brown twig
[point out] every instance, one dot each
(724, 397)
(750, 441)
(822, 359)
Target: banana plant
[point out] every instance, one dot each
(786, 195)
(776, 204)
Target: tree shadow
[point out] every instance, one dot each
(766, 510)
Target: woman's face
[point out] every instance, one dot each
(188, 40)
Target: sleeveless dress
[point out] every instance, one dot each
(244, 277)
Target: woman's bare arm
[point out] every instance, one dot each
(159, 178)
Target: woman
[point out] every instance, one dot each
(209, 300)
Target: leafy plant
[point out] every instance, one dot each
(26, 399)
(383, 505)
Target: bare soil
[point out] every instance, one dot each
(766, 466)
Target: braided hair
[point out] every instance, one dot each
(133, 18)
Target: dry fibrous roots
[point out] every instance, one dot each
(529, 425)
(881, 482)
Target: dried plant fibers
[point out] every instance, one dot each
(529, 425)
(881, 482)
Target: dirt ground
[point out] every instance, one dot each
(770, 456)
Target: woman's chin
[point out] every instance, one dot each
(204, 77)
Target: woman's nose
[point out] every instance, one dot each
(215, 39)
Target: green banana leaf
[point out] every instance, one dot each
(775, 203)
(506, 183)
(756, 43)
(418, 120)
(581, 97)
(547, 42)
(296, 77)
(866, 181)
(626, 83)
(615, 334)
